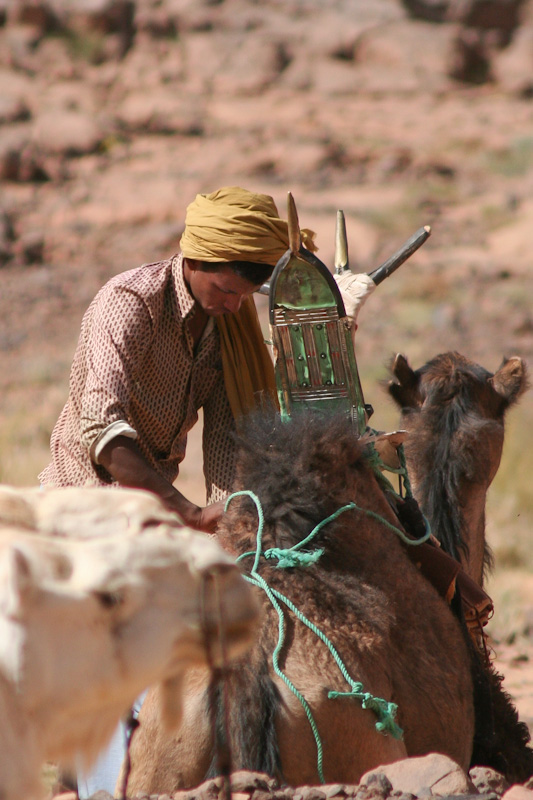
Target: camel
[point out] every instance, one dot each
(102, 594)
(454, 411)
(297, 708)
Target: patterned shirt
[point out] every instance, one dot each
(136, 373)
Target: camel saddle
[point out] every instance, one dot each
(316, 369)
(448, 577)
(315, 362)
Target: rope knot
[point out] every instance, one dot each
(292, 558)
(383, 709)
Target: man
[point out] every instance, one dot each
(149, 357)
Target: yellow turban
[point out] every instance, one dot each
(233, 224)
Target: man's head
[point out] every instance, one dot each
(232, 240)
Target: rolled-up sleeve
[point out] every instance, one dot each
(116, 340)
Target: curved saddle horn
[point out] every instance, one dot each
(295, 238)
(396, 260)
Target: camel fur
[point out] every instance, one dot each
(393, 631)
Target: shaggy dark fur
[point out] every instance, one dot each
(509, 751)
(279, 461)
(250, 691)
(276, 462)
(501, 741)
(447, 446)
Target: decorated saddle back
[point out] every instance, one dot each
(315, 362)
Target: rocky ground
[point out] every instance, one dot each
(115, 113)
(430, 776)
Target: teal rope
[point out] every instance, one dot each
(397, 531)
(403, 466)
(384, 710)
(257, 580)
(379, 466)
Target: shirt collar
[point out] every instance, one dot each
(183, 296)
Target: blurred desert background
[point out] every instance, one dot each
(115, 113)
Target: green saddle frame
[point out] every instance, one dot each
(315, 362)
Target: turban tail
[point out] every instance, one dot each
(248, 369)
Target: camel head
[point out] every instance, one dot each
(455, 399)
(87, 624)
(454, 411)
(449, 375)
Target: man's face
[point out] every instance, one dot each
(220, 292)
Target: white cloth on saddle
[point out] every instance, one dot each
(354, 288)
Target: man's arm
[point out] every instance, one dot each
(125, 463)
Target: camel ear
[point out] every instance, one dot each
(511, 379)
(404, 390)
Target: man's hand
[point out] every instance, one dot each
(209, 517)
(126, 465)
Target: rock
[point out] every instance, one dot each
(375, 786)
(469, 59)
(334, 790)
(311, 793)
(486, 779)
(513, 66)
(9, 161)
(430, 10)
(104, 17)
(18, 160)
(210, 789)
(261, 794)
(36, 13)
(518, 792)
(29, 248)
(69, 133)
(392, 52)
(245, 781)
(161, 112)
(502, 15)
(7, 236)
(13, 109)
(431, 774)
